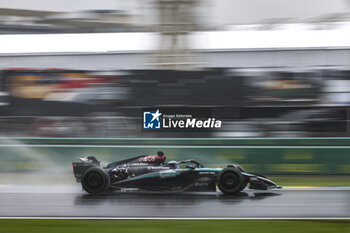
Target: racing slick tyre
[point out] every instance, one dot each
(230, 180)
(95, 180)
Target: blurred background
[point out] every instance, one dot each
(269, 69)
(79, 69)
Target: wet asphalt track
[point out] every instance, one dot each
(70, 201)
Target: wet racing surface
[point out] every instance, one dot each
(47, 201)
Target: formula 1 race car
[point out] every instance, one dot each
(152, 173)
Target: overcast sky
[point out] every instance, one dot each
(219, 11)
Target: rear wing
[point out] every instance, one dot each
(85, 163)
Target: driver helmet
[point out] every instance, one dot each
(173, 164)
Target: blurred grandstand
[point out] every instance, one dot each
(108, 104)
(275, 78)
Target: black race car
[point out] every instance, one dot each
(152, 173)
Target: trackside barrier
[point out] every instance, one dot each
(261, 155)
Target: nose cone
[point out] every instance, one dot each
(261, 183)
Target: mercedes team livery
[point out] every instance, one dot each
(152, 173)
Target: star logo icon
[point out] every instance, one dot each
(152, 119)
(156, 115)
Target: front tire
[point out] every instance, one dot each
(95, 180)
(230, 181)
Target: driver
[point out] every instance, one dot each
(173, 164)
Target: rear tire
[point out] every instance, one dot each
(95, 180)
(230, 180)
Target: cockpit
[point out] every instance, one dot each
(190, 163)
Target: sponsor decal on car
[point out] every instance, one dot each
(150, 158)
(167, 174)
(206, 173)
(197, 184)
